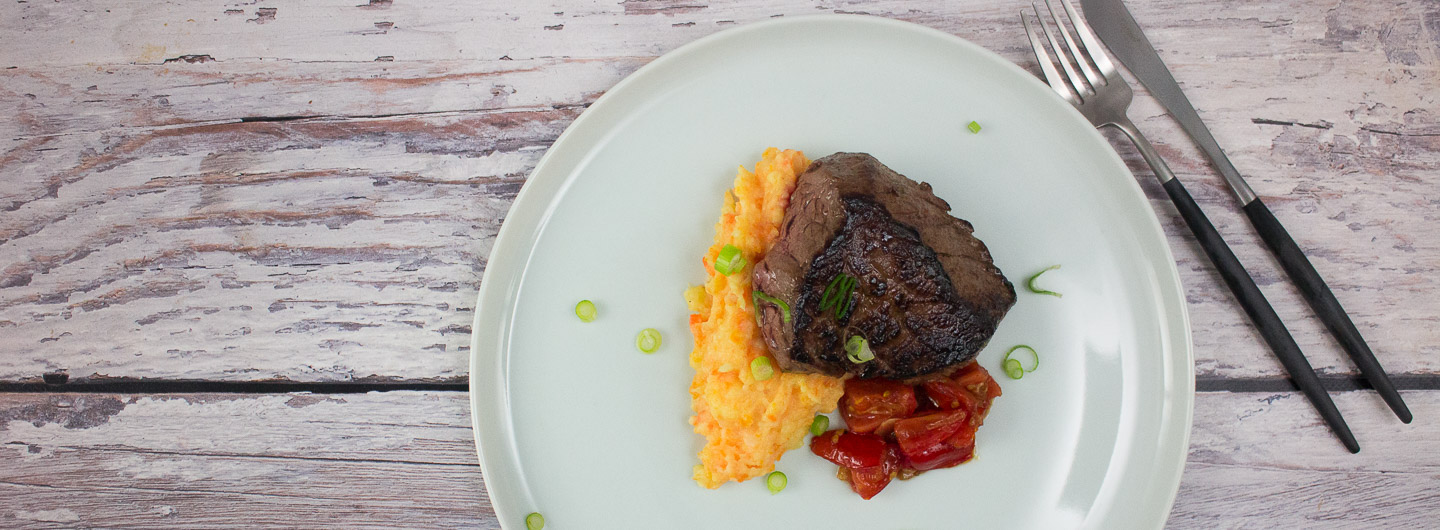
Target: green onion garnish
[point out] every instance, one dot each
(534, 521)
(1037, 290)
(761, 369)
(1016, 370)
(585, 310)
(730, 260)
(827, 300)
(648, 340)
(846, 303)
(974, 127)
(775, 481)
(837, 295)
(1013, 369)
(755, 295)
(819, 425)
(857, 349)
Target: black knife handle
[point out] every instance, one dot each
(1293, 260)
(1260, 311)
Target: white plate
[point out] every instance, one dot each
(572, 421)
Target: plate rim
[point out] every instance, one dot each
(1171, 293)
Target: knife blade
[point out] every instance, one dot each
(1119, 31)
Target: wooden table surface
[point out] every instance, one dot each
(251, 233)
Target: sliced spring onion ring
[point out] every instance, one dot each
(756, 295)
(1037, 290)
(534, 521)
(648, 340)
(775, 481)
(1005, 363)
(1013, 369)
(761, 369)
(585, 310)
(857, 349)
(819, 425)
(974, 127)
(730, 260)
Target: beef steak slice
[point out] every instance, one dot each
(928, 296)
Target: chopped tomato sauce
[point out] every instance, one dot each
(896, 429)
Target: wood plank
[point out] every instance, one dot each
(70, 100)
(145, 231)
(359, 260)
(1327, 111)
(1267, 461)
(206, 461)
(407, 459)
(418, 31)
(1216, 496)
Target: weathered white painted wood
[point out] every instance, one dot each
(1217, 496)
(407, 459)
(1267, 461)
(144, 232)
(256, 261)
(192, 461)
(147, 231)
(146, 33)
(1327, 109)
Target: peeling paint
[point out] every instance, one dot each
(71, 412)
(58, 515)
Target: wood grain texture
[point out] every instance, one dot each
(243, 192)
(309, 191)
(318, 461)
(1267, 461)
(205, 461)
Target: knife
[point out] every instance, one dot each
(1119, 31)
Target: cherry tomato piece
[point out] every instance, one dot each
(870, 403)
(926, 441)
(847, 449)
(956, 450)
(898, 429)
(946, 394)
(868, 481)
(975, 379)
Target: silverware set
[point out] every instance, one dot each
(1080, 70)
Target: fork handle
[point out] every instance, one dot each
(1147, 151)
(1313, 287)
(1245, 291)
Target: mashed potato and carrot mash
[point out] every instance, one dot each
(747, 423)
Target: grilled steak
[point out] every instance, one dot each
(927, 296)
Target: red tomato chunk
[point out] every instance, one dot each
(874, 405)
(847, 449)
(892, 432)
(936, 440)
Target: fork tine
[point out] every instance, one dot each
(1092, 43)
(1075, 81)
(1095, 79)
(1052, 76)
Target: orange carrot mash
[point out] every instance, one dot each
(747, 424)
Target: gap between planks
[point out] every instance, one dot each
(1332, 383)
(181, 461)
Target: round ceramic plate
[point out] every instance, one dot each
(573, 422)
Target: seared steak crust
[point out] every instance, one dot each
(928, 296)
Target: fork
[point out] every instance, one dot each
(1103, 97)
